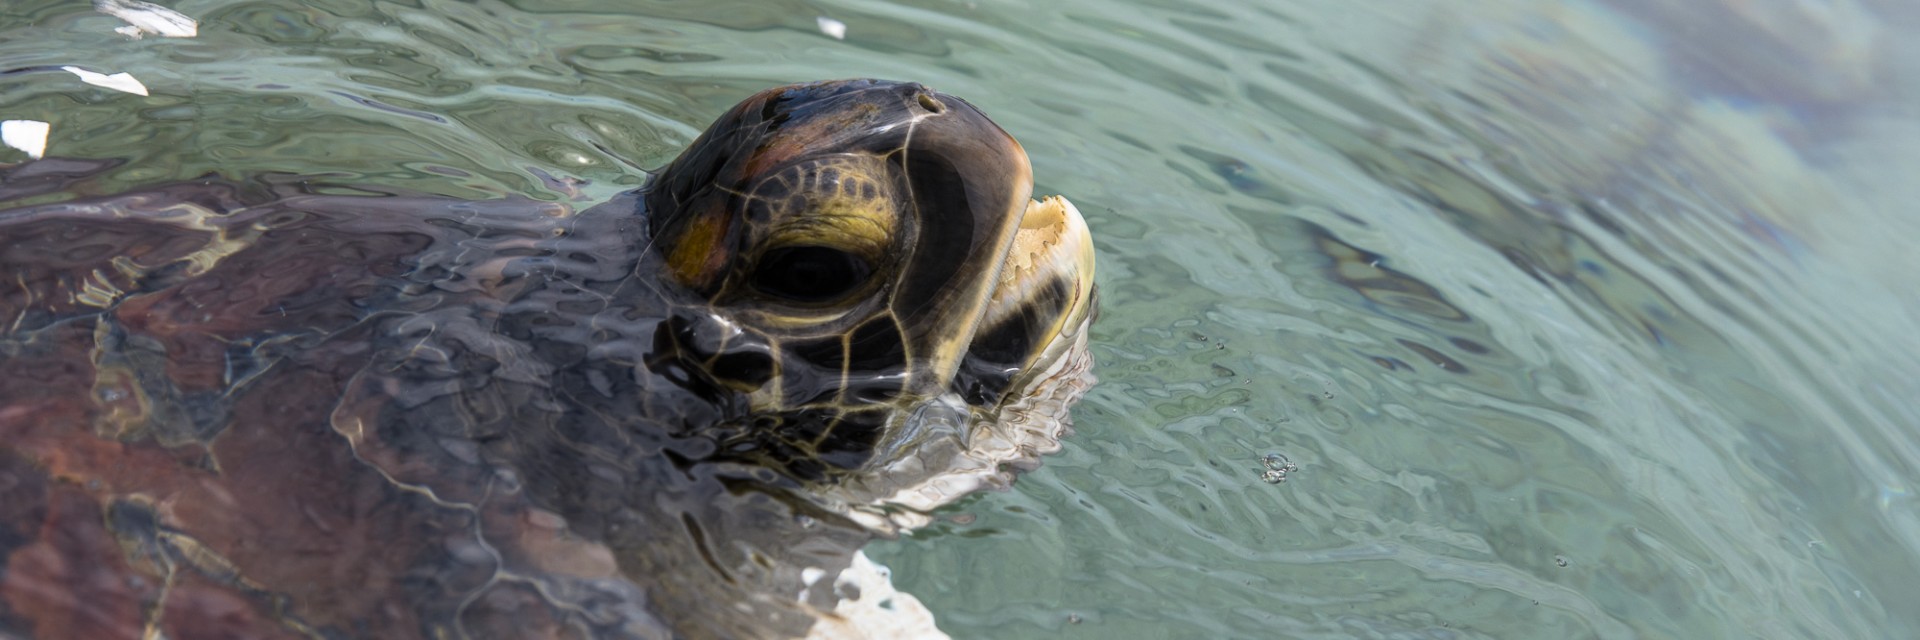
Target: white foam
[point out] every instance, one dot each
(833, 28)
(26, 135)
(118, 82)
(145, 17)
(878, 612)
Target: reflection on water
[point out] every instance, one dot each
(1591, 319)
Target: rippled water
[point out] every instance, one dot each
(1589, 319)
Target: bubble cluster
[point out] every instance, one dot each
(1277, 468)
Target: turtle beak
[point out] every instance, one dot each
(1040, 308)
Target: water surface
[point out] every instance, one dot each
(1584, 319)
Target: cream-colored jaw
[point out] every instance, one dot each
(1052, 244)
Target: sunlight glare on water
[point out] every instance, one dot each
(1565, 320)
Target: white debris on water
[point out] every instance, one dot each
(26, 135)
(118, 82)
(145, 17)
(833, 28)
(870, 608)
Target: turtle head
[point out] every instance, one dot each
(851, 248)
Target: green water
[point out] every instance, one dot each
(1576, 319)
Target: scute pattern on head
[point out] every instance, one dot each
(890, 178)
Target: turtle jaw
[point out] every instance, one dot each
(1053, 244)
(1041, 305)
(1007, 405)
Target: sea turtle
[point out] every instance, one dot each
(267, 408)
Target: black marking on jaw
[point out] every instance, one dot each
(1001, 351)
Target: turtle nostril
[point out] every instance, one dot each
(927, 102)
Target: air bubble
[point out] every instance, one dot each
(1277, 468)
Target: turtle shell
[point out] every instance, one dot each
(253, 409)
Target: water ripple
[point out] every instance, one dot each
(1581, 320)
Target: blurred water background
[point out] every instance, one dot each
(1574, 319)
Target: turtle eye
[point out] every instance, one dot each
(810, 273)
